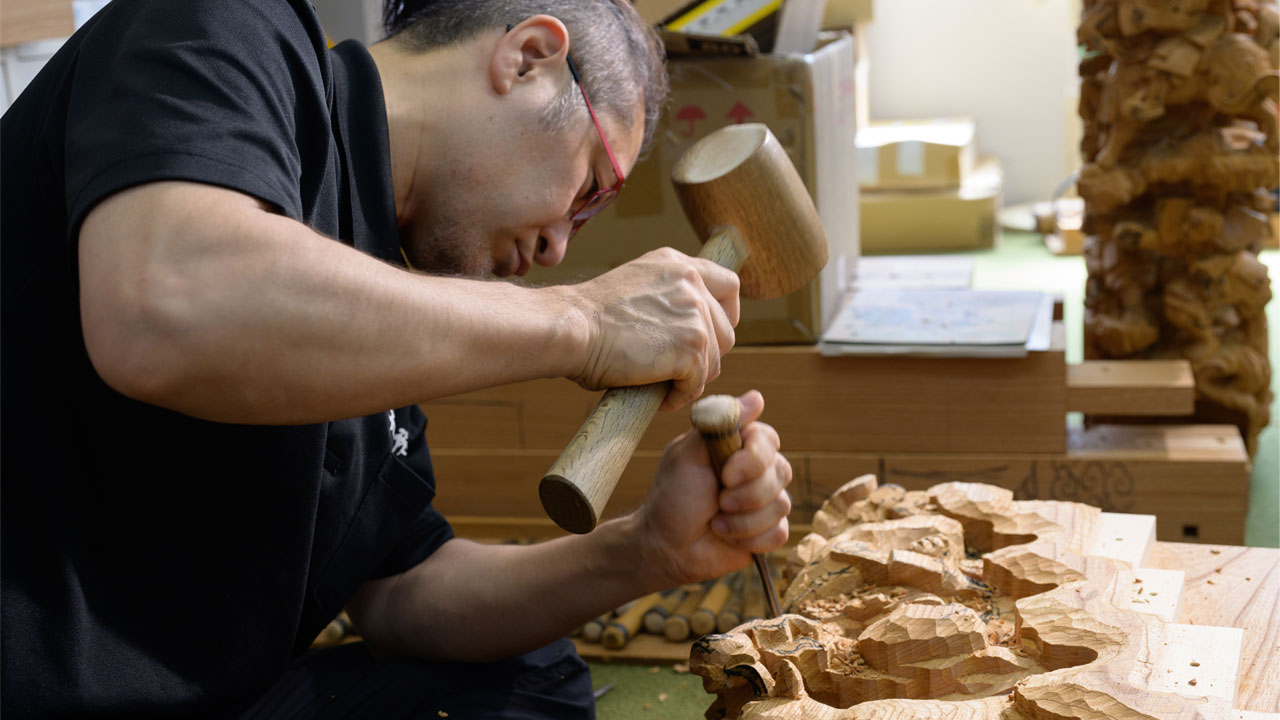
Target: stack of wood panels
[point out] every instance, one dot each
(912, 421)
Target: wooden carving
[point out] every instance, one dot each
(1180, 148)
(959, 602)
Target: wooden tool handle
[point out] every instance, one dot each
(717, 417)
(578, 485)
(676, 627)
(617, 633)
(703, 620)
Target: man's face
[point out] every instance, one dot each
(508, 206)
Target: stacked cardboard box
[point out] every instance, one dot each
(924, 187)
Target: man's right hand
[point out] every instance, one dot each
(663, 316)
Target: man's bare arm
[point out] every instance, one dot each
(477, 602)
(198, 299)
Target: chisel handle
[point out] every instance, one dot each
(717, 418)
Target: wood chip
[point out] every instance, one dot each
(1215, 551)
(1195, 664)
(681, 667)
(655, 670)
(1192, 681)
(442, 713)
(662, 697)
(644, 706)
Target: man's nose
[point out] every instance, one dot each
(553, 241)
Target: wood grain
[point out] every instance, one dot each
(580, 482)
(889, 601)
(739, 177)
(851, 404)
(30, 20)
(1131, 387)
(1235, 587)
(1193, 478)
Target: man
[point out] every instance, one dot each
(207, 314)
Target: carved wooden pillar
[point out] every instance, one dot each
(1180, 151)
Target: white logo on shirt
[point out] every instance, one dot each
(399, 437)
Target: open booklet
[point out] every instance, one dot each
(954, 322)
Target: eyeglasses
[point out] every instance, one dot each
(601, 198)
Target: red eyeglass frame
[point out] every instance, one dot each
(601, 198)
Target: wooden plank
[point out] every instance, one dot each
(505, 482)
(1162, 443)
(1195, 479)
(1131, 387)
(1197, 661)
(30, 20)
(1123, 536)
(487, 483)
(1151, 591)
(845, 404)
(1235, 587)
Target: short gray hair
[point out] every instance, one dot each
(620, 58)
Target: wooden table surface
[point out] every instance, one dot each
(1231, 586)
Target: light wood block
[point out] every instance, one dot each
(1151, 591)
(1131, 387)
(1237, 587)
(845, 404)
(1198, 661)
(1193, 478)
(480, 483)
(1224, 586)
(26, 21)
(932, 654)
(1124, 537)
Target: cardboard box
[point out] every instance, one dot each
(807, 101)
(915, 221)
(916, 154)
(840, 14)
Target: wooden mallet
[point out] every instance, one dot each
(747, 203)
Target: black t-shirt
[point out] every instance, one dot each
(153, 563)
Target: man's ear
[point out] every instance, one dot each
(535, 49)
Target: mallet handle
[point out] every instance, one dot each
(578, 485)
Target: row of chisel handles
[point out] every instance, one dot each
(689, 611)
